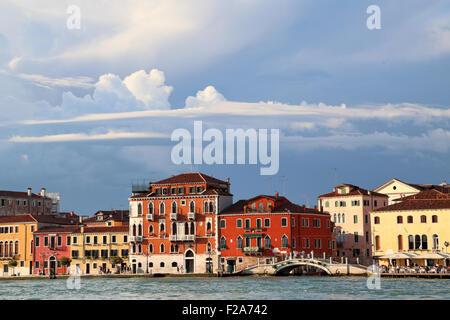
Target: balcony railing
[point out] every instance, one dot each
(132, 239)
(252, 249)
(173, 237)
(189, 237)
(173, 216)
(139, 238)
(191, 215)
(150, 217)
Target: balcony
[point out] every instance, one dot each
(173, 237)
(139, 239)
(189, 237)
(132, 239)
(252, 250)
(173, 216)
(191, 215)
(150, 217)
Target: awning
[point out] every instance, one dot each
(253, 235)
(432, 256)
(399, 255)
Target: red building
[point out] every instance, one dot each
(272, 228)
(50, 245)
(173, 225)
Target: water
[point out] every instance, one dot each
(260, 288)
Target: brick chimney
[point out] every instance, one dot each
(276, 195)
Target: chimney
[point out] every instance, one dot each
(321, 208)
(228, 184)
(80, 219)
(29, 192)
(43, 192)
(315, 208)
(276, 194)
(71, 213)
(304, 208)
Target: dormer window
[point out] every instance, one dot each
(199, 189)
(164, 191)
(99, 218)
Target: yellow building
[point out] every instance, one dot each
(94, 246)
(16, 240)
(417, 225)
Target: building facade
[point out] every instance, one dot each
(350, 208)
(271, 228)
(416, 225)
(15, 202)
(173, 226)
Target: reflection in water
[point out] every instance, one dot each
(263, 288)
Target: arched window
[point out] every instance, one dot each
(162, 228)
(134, 248)
(139, 209)
(150, 207)
(11, 249)
(410, 219)
(150, 229)
(335, 217)
(6, 249)
(192, 229)
(150, 248)
(162, 208)
(343, 218)
(435, 241)
(377, 243)
(434, 219)
(140, 248)
(174, 228)
(399, 219)
(134, 230)
(192, 206)
(16, 248)
(174, 207)
(208, 228)
(339, 217)
(206, 206)
(239, 242)
(411, 242)
(223, 242)
(140, 230)
(208, 247)
(161, 248)
(424, 242)
(174, 264)
(1, 249)
(377, 220)
(267, 242)
(400, 242)
(260, 207)
(284, 241)
(423, 219)
(150, 264)
(186, 228)
(211, 207)
(417, 242)
(162, 264)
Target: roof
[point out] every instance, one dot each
(56, 219)
(423, 204)
(428, 194)
(283, 205)
(61, 229)
(17, 218)
(191, 177)
(105, 229)
(354, 191)
(116, 215)
(418, 187)
(18, 194)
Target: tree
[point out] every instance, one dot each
(13, 263)
(116, 260)
(65, 262)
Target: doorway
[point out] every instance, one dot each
(189, 261)
(52, 267)
(88, 268)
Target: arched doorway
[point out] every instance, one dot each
(189, 261)
(52, 266)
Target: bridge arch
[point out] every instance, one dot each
(284, 269)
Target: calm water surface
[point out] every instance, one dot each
(227, 288)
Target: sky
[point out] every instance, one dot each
(91, 91)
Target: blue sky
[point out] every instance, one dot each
(374, 104)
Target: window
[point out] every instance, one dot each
(423, 219)
(37, 241)
(377, 220)
(399, 219)
(424, 242)
(174, 207)
(192, 206)
(150, 229)
(113, 239)
(239, 242)
(293, 243)
(239, 223)
(355, 203)
(367, 236)
(222, 224)
(400, 242)
(307, 243)
(174, 264)
(284, 242)
(258, 224)
(223, 243)
(162, 208)
(95, 240)
(74, 240)
(377, 243)
(75, 254)
(161, 248)
(411, 242)
(327, 204)
(284, 222)
(366, 219)
(434, 219)
(417, 242)
(45, 241)
(124, 252)
(267, 243)
(343, 217)
(375, 203)
(125, 239)
(59, 241)
(366, 203)
(162, 265)
(139, 209)
(435, 242)
(68, 240)
(410, 219)
(356, 237)
(355, 219)
(266, 222)
(316, 223)
(150, 207)
(247, 224)
(165, 191)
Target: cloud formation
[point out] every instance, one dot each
(205, 98)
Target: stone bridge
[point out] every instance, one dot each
(286, 266)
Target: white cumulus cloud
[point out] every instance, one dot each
(205, 98)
